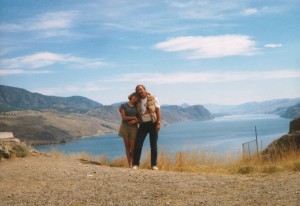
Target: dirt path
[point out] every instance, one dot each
(65, 181)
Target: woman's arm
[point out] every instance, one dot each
(126, 118)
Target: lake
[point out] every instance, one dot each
(223, 135)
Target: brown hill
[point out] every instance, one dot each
(286, 144)
(44, 127)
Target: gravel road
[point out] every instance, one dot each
(45, 180)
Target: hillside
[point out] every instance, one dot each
(48, 126)
(174, 113)
(41, 119)
(12, 98)
(289, 143)
(292, 112)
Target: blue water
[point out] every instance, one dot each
(222, 135)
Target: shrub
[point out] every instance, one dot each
(270, 169)
(119, 162)
(296, 166)
(20, 150)
(246, 170)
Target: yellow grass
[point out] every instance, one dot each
(207, 162)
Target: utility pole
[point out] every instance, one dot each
(256, 139)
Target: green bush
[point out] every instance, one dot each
(20, 150)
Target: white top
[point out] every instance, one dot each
(144, 104)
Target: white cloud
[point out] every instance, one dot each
(205, 77)
(44, 59)
(250, 11)
(70, 89)
(199, 47)
(54, 20)
(5, 27)
(218, 9)
(272, 45)
(49, 24)
(6, 72)
(155, 16)
(224, 9)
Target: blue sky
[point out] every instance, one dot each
(192, 51)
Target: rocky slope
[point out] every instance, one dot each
(286, 144)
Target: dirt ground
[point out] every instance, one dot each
(45, 180)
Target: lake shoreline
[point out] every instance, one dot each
(221, 135)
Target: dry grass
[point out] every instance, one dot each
(203, 162)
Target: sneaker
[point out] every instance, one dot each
(135, 167)
(155, 168)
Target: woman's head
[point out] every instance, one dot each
(133, 97)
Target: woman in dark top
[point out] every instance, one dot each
(129, 126)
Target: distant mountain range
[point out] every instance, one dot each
(277, 106)
(41, 119)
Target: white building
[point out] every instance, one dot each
(6, 135)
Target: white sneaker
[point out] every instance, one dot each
(135, 167)
(155, 168)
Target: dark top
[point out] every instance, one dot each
(129, 111)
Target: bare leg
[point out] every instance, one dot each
(127, 149)
(132, 144)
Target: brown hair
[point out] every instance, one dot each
(140, 85)
(132, 94)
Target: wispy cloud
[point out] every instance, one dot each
(49, 24)
(9, 27)
(205, 77)
(54, 20)
(159, 16)
(199, 47)
(71, 89)
(224, 9)
(7, 72)
(250, 11)
(272, 45)
(218, 9)
(44, 59)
